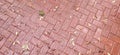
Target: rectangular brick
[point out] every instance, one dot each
(35, 17)
(106, 4)
(84, 3)
(77, 32)
(46, 39)
(17, 20)
(64, 34)
(114, 38)
(81, 38)
(28, 36)
(89, 46)
(98, 33)
(17, 48)
(115, 28)
(44, 50)
(39, 32)
(4, 32)
(13, 29)
(15, 3)
(55, 36)
(83, 19)
(119, 10)
(55, 45)
(98, 24)
(118, 33)
(7, 23)
(70, 51)
(90, 35)
(21, 36)
(106, 12)
(2, 41)
(108, 48)
(99, 14)
(23, 12)
(76, 14)
(5, 7)
(114, 10)
(28, 9)
(84, 11)
(106, 30)
(97, 43)
(10, 40)
(14, 8)
(48, 29)
(37, 42)
(24, 27)
(1, 22)
(57, 27)
(35, 51)
(6, 51)
(80, 49)
(3, 17)
(11, 1)
(91, 9)
(50, 20)
(61, 19)
(91, 17)
(99, 1)
(92, 2)
(26, 20)
(115, 49)
(11, 14)
(106, 41)
(25, 42)
(99, 6)
(66, 24)
(90, 26)
(43, 23)
(67, 13)
(74, 22)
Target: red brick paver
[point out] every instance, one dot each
(69, 27)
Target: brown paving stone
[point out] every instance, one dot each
(74, 27)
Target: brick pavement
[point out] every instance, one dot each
(66, 27)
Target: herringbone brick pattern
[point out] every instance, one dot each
(66, 27)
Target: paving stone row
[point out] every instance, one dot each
(67, 27)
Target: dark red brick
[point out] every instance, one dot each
(115, 49)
